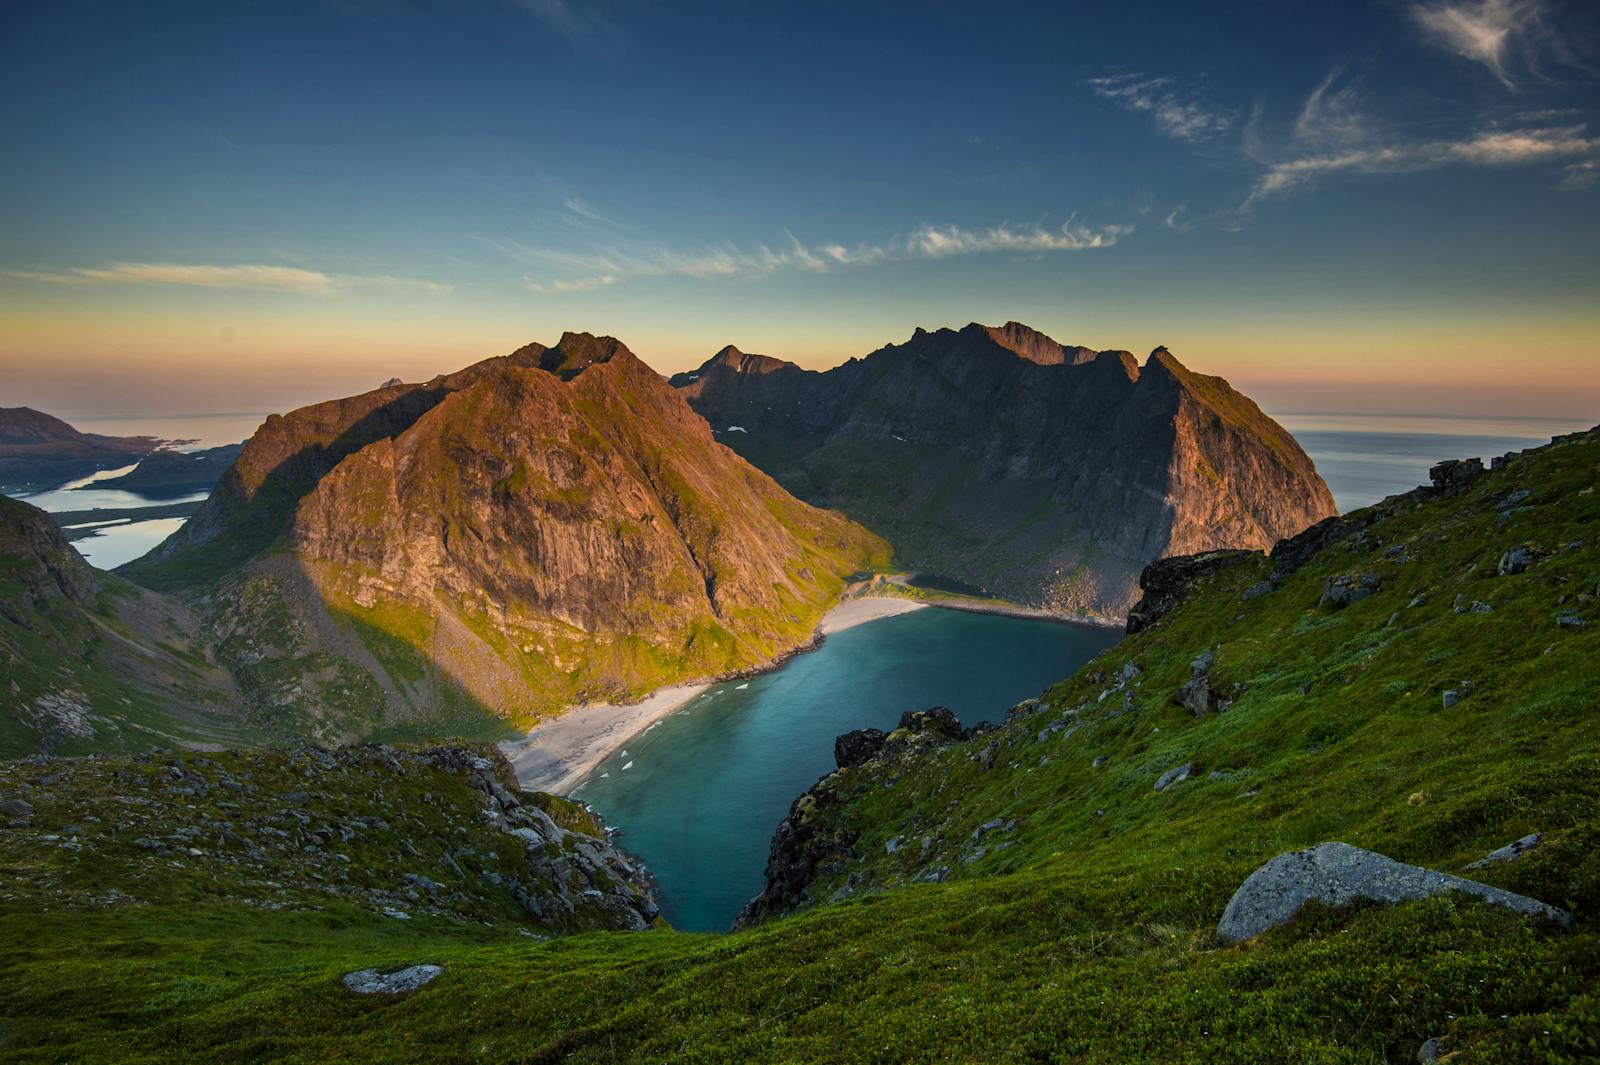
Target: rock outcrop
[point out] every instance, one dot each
(1338, 874)
(810, 841)
(1045, 472)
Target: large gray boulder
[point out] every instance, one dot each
(1338, 874)
(372, 982)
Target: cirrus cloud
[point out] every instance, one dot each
(245, 276)
(568, 272)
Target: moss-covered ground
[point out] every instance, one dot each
(1084, 931)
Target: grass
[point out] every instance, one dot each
(1083, 933)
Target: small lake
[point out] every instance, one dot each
(699, 794)
(113, 542)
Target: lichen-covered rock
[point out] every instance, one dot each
(1176, 775)
(372, 982)
(1338, 874)
(1168, 582)
(1510, 852)
(1341, 591)
(853, 748)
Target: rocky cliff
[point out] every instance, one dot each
(1049, 473)
(538, 529)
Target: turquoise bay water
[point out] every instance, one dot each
(699, 794)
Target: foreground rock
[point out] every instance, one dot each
(439, 832)
(372, 982)
(1338, 874)
(810, 842)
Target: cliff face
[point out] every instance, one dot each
(539, 529)
(574, 528)
(1046, 472)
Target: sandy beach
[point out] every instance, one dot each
(559, 753)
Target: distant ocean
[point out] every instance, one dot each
(1368, 457)
(1363, 457)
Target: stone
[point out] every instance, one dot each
(1338, 874)
(1453, 475)
(855, 748)
(939, 720)
(1428, 1052)
(891, 845)
(16, 808)
(372, 982)
(1515, 560)
(1174, 776)
(1168, 582)
(1479, 607)
(1340, 592)
(1570, 621)
(296, 798)
(1257, 590)
(1510, 852)
(1452, 696)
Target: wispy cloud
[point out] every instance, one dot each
(1482, 31)
(578, 210)
(1332, 134)
(263, 278)
(567, 272)
(1579, 176)
(578, 21)
(1179, 114)
(1493, 147)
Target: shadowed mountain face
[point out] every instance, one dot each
(39, 451)
(537, 529)
(1046, 472)
(90, 663)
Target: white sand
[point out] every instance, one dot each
(853, 612)
(557, 754)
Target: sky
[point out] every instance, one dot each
(1386, 206)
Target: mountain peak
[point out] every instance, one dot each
(576, 352)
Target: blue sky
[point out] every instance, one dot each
(1392, 205)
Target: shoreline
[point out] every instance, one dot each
(555, 755)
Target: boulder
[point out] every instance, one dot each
(1196, 694)
(1510, 852)
(1340, 592)
(16, 808)
(1454, 475)
(854, 748)
(1168, 581)
(1515, 560)
(1174, 776)
(372, 982)
(939, 720)
(1338, 874)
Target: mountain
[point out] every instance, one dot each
(92, 663)
(537, 530)
(38, 451)
(1412, 681)
(1045, 472)
(176, 472)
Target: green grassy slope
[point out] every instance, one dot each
(1086, 929)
